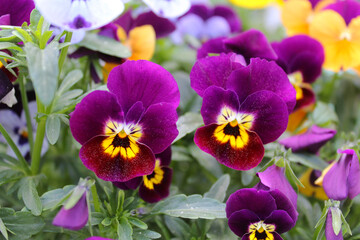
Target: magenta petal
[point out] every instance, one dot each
(274, 178)
(162, 26)
(131, 184)
(160, 190)
(91, 114)
(143, 81)
(216, 98)
(212, 71)
(125, 21)
(230, 15)
(159, 126)
(354, 174)
(164, 156)
(281, 219)
(270, 114)
(347, 9)
(300, 53)
(310, 141)
(74, 218)
(240, 221)
(5, 19)
(251, 44)
(19, 10)
(329, 231)
(215, 45)
(259, 202)
(307, 99)
(262, 75)
(135, 113)
(284, 203)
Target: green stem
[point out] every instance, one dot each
(25, 104)
(96, 199)
(330, 87)
(15, 149)
(64, 51)
(166, 234)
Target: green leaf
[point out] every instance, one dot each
(106, 222)
(324, 114)
(291, 175)
(105, 45)
(70, 80)
(146, 234)
(219, 229)
(137, 222)
(124, 229)
(193, 207)
(56, 197)
(7, 45)
(178, 227)
(44, 70)
(22, 224)
(309, 160)
(218, 190)
(34, 19)
(30, 196)
(206, 161)
(320, 225)
(347, 228)
(336, 220)
(3, 229)
(188, 123)
(75, 197)
(53, 128)
(22, 34)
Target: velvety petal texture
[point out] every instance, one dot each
(310, 141)
(159, 191)
(343, 178)
(74, 218)
(15, 12)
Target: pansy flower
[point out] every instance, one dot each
(257, 214)
(311, 189)
(15, 12)
(122, 129)
(239, 120)
(329, 230)
(342, 178)
(301, 57)
(155, 186)
(337, 28)
(204, 22)
(75, 15)
(255, 4)
(168, 8)
(16, 126)
(297, 15)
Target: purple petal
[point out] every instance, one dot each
(215, 99)
(125, 21)
(135, 113)
(215, 45)
(354, 174)
(91, 114)
(164, 156)
(284, 203)
(310, 141)
(212, 71)
(274, 178)
(143, 81)
(230, 15)
(262, 75)
(251, 44)
(329, 231)
(74, 218)
(270, 114)
(162, 26)
(347, 9)
(307, 99)
(282, 221)
(201, 10)
(94, 74)
(216, 26)
(240, 221)
(19, 11)
(261, 203)
(192, 25)
(160, 190)
(276, 236)
(300, 53)
(159, 126)
(131, 184)
(5, 19)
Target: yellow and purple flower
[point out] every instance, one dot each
(121, 130)
(156, 186)
(257, 214)
(301, 57)
(238, 119)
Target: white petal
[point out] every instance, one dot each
(80, 14)
(9, 98)
(169, 8)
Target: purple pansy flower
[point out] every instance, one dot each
(249, 44)
(342, 180)
(310, 141)
(15, 12)
(74, 218)
(121, 130)
(239, 120)
(204, 22)
(301, 57)
(168, 8)
(256, 214)
(329, 230)
(274, 178)
(75, 15)
(155, 186)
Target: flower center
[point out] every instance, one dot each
(121, 139)
(233, 128)
(261, 231)
(296, 80)
(345, 35)
(155, 178)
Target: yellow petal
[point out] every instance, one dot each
(322, 4)
(311, 190)
(121, 34)
(296, 15)
(253, 4)
(142, 42)
(107, 68)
